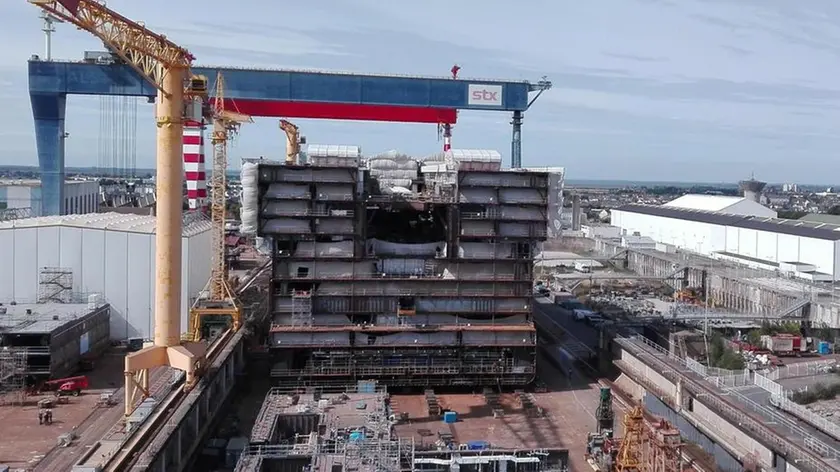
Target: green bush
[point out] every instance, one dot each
(723, 357)
(816, 392)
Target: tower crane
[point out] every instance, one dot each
(292, 141)
(220, 300)
(166, 66)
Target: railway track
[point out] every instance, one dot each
(132, 449)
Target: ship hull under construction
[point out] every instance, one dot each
(420, 281)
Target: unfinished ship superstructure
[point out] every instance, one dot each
(410, 273)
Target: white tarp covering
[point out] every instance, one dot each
(393, 170)
(249, 209)
(334, 150)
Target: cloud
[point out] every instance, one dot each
(642, 88)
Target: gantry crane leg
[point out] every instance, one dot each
(168, 349)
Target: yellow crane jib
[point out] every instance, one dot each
(220, 299)
(292, 141)
(166, 66)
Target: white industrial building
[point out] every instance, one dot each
(722, 204)
(107, 253)
(80, 196)
(740, 231)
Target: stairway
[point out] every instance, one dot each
(492, 400)
(432, 403)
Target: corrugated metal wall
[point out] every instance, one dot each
(725, 461)
(119, 265)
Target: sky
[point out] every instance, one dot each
(657, 90)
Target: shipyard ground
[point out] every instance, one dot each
(24, 444)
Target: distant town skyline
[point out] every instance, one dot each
(644, 90)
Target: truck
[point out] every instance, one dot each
(66, 386)
(785, 344)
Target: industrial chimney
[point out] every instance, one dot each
(751, 189)
(576, 212)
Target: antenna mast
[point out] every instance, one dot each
(48, 29)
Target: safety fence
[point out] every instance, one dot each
(721, 377)
(768, 412)
(802, 369)
(780, 398)
(733, 410)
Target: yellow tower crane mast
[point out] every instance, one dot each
(221, 300)
(292, 141)
(166, 66)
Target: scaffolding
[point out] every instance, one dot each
(301, 308)
(13, 366)
(662, 452)
(630, 453)
(55, 285)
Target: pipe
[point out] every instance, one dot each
(516, 141)
(169, 182)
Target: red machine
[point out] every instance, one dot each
(785, 344)
(66, 386)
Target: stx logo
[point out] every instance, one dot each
(485, 95)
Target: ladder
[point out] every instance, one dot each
(429, 267)
(301, 308)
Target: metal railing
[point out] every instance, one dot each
(289, 196)
(500, 291)
(336, 197)
(641, 346)
(315, 177)
(780, 398)
(307, 212)
(478, 232)
(313, 253)
(386, 276)
(801, 369)
(457, 325)
(414, 370)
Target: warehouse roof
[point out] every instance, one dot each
(704, 202)
(804, 229)
(821, 218)
(37, 183)
(194, 223)
(41, 317)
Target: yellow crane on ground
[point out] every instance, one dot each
(292, 141)
(221, 299)
(166, 66)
